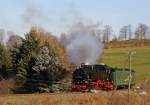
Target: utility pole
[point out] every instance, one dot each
(130, 54)
(147, 77)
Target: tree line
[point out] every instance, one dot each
(126, 32)
(35, 62)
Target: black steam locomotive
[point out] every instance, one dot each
(88, 77)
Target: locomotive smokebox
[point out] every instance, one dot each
(83, 64)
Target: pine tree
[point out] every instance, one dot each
(23, 55)
(46, 70)
(5, 61)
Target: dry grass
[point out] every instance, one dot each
(6, 86)
(128, 43)
(135, 98)
(53, 99)
(102, 98)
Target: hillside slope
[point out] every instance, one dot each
(118, 57)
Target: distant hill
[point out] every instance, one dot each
(128, 43)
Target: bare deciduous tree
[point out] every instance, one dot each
(130, 31)
(14, 40)
(2, 32)
(141, 31)
(107, 32)
(123, 33)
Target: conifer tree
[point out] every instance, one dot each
(5, 61)
(46, 70)
(24, 55)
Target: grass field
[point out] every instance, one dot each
(118, 57)
(74, 99)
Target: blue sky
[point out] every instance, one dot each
(57, 15)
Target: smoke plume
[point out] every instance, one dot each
(33, 15)
(84, 45)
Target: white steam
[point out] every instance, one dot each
(84, 45)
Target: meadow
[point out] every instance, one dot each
(118, 57)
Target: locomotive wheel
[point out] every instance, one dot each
(108, 86)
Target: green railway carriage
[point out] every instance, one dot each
(120, 77)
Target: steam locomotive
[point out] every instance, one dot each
(89, 77)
